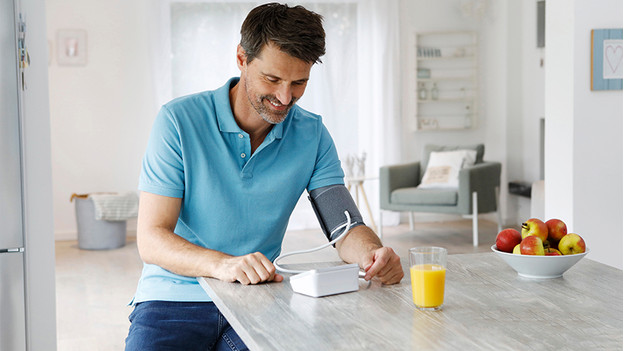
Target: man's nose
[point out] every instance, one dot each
(284, 94)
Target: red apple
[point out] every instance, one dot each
(532, 245)
(535, 227)
(572, 244)
(507, 239)
(551, 251)
(556, 230)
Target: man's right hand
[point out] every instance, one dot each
(248, 269)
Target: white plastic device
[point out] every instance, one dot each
(324, 281)
(327, 281)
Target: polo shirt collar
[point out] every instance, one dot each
(225, 117)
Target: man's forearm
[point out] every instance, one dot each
(162, 247)
(177, 255)
(357, 244)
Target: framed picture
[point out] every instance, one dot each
(606, 59)
(71, 47)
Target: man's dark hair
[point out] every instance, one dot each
(294, 30)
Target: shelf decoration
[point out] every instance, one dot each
(424, 73)
(446, 80)
(606, 59)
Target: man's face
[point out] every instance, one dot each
(273, 81)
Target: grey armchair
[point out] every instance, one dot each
(478, 189)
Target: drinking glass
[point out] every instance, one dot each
(428, 275)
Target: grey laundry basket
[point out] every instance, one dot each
(96, 234)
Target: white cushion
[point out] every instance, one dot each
(443, 168)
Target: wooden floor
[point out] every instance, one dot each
(93, 288)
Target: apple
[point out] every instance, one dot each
(556, 230)
(535, 227)
(551, 251)
(507, 239)
(516, 250)
(571, 244)
(532, 245)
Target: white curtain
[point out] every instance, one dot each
(355, 89)
(379, 92)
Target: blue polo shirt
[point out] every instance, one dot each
(232, 201)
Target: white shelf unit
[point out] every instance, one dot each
(448, 62)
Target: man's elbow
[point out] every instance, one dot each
(145, 247)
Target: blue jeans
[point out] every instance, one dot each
(165, 325)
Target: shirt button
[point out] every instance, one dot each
(240, 136)
(243, 155)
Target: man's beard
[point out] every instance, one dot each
(269, 115)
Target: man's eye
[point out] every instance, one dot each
(272, 80)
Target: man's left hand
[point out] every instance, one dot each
(384, 264)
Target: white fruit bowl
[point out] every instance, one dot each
(539, 267)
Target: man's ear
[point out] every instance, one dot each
(241, 57)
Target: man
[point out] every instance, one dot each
(221, 175)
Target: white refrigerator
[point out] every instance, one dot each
(26, 235)
(12, 297)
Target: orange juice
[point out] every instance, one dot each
(428, 285)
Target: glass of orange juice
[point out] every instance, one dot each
(428, 273)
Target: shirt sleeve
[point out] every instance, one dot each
(327, 170)
(162, 171)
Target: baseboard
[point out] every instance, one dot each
(60, 235)
(441, 217)
(430, 217)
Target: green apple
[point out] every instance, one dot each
(572, 244)
(556, 230)
(535, 227)
(516, 250)
(532, 245)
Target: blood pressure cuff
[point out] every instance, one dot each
(329, 204)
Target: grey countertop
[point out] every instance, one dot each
(487, 307)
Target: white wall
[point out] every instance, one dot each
(583, 183)
(525, 103)
(101, 113)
